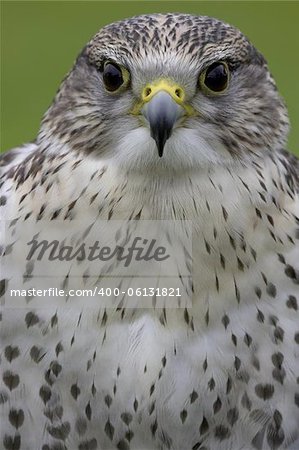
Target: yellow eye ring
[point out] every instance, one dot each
(215, 79)
(115, 77)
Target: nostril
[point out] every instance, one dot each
(147, 92)
(178, 93)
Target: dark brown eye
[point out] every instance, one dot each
(216, 77)
(112, 77)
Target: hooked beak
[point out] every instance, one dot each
(162, 103)
(162, 112)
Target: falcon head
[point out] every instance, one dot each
(168, 90)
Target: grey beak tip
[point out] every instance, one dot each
(162, 112)
(160, 139)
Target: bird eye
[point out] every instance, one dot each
(215, 78)
(113, 77)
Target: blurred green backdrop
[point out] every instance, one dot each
(40, 40)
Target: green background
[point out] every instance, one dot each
(40, 41)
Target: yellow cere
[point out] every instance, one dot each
(174, 90)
